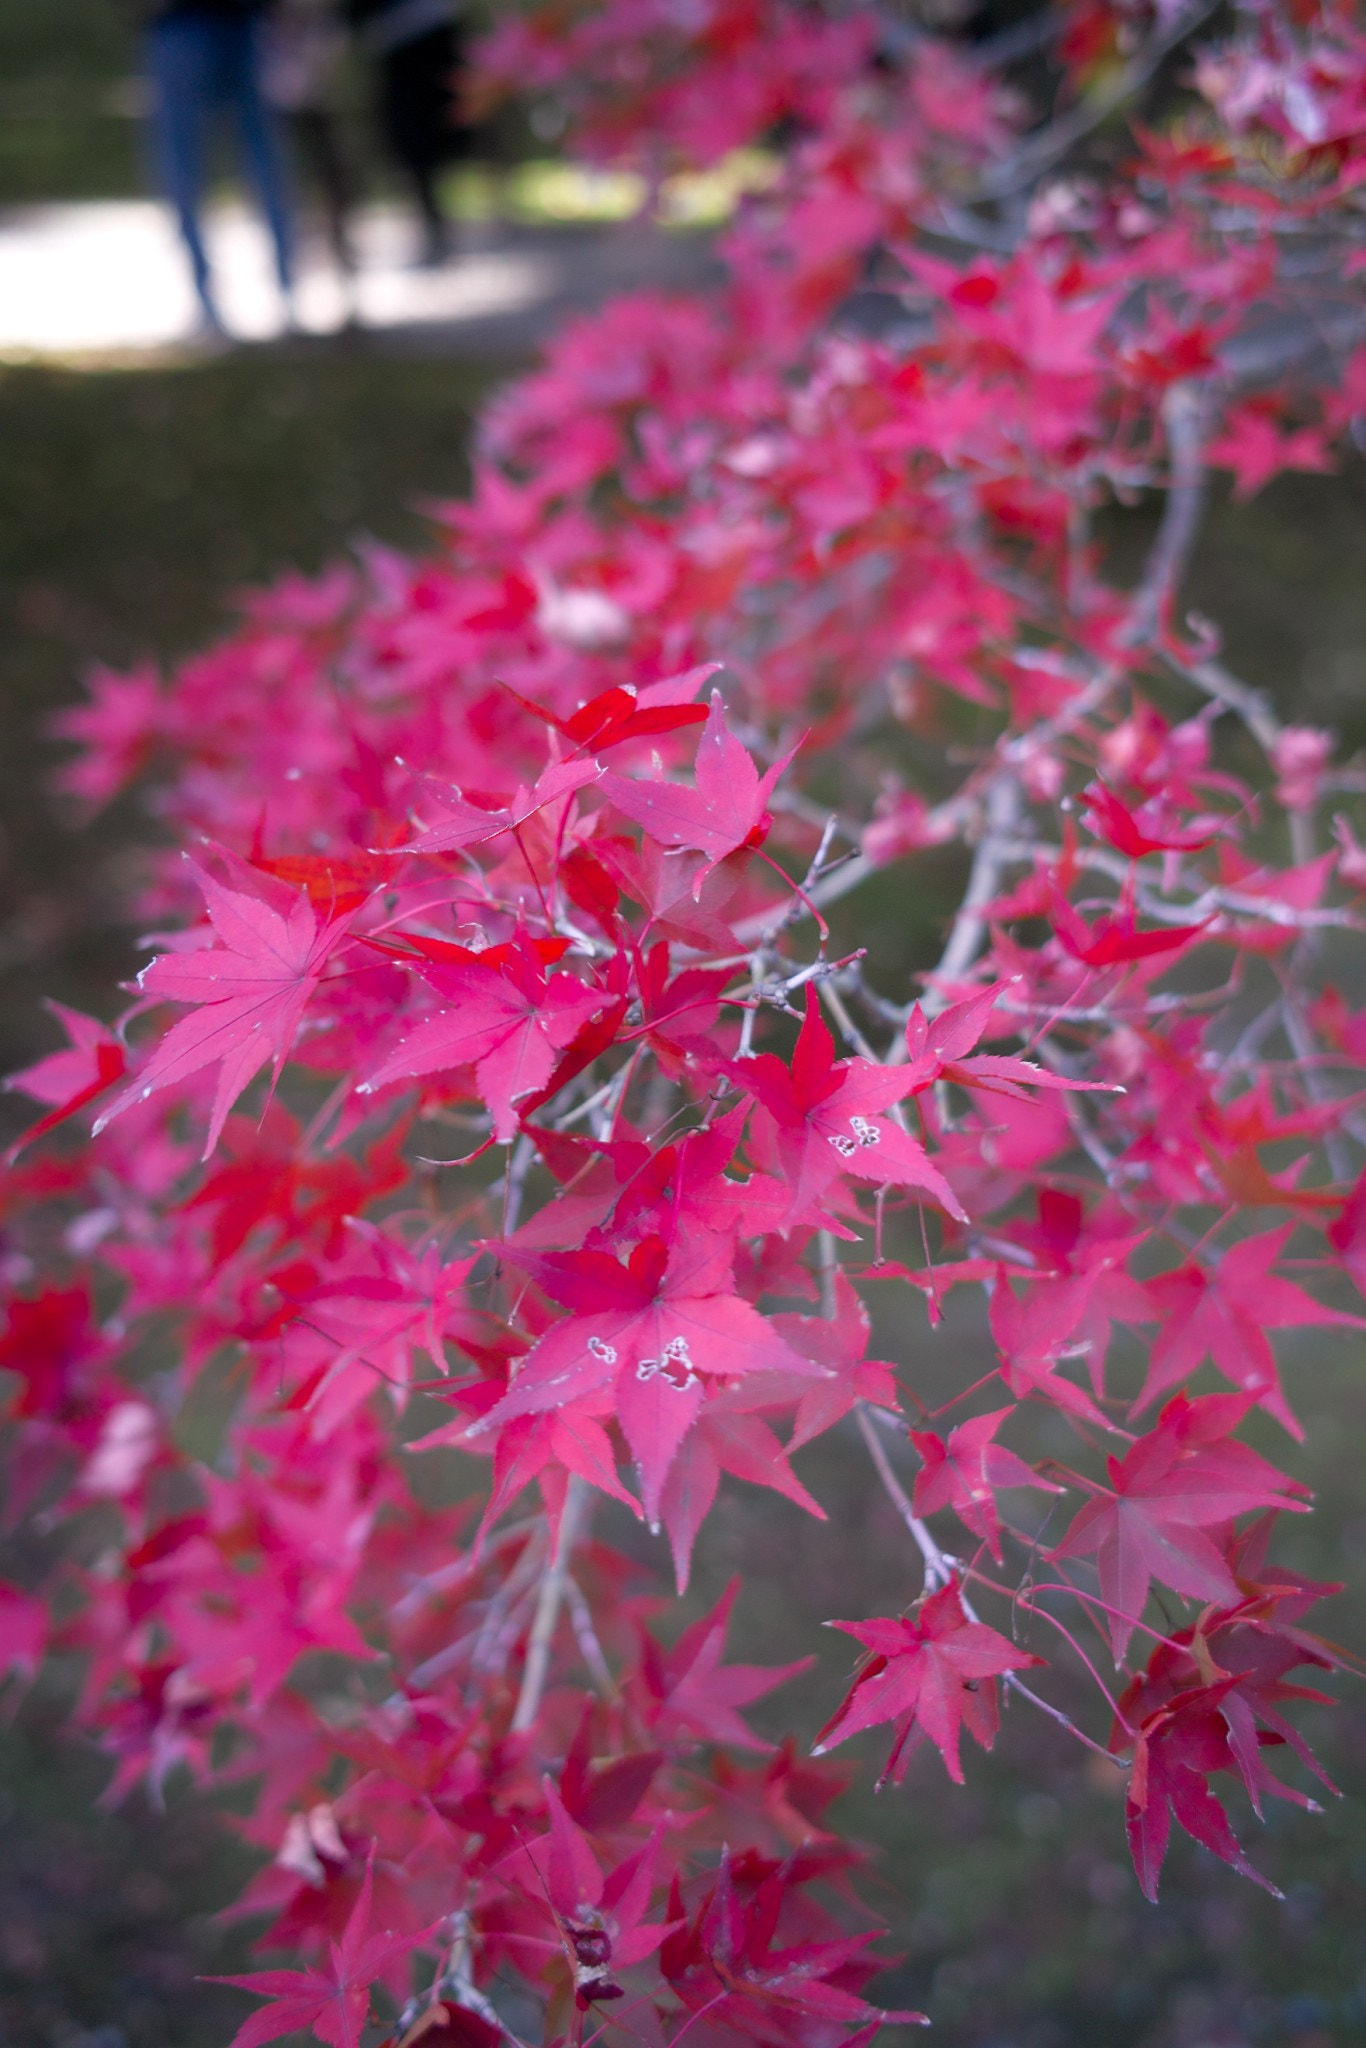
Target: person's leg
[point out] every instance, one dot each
(260, 141)
(418, 110)
(179, 62)
(316, 132)
(436, 229)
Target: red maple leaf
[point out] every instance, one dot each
(723, 1961)
(268, 1178)
(1226, 1311)
(824, 1118)
(964, 1473)
(1141, 832)
(938, 1049)
(509, 1023)
(655, 1330)
(1114, 940)
(68, 1080)
(627, 713)
(456, 822)
(336, 882)
(1187, 1475)
(1176, 1748)
(687, 1691)
(932, 1675)
(333, 2002)
(444, 2024)
(250, 992)
(1209, 1701)
(726, 808)
(599, 1918)
(51, 1340)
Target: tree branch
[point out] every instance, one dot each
(938, 1565)
(969, 926)
(1047, 146)
(552, 1595)
(1183, 412)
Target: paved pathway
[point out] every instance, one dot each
(108, 280)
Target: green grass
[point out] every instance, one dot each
(65, 42)
(66, 131)
(1280, 577)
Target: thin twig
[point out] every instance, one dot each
(940, 1571)
(590, 1649)
(984, 880)
(1040, 151)
(1017, 1685)
(938, 1565)
(1183, 415)
(547, 1616)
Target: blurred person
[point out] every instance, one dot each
(417, 49)
(204, 58)
(304, 43)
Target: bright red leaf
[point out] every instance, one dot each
(932, 1675)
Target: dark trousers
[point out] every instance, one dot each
(420, 115)
(321, 148)
(203, 67)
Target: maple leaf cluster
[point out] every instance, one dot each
(509, 1078)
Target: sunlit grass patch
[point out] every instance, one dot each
(545, 190)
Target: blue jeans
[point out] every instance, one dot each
(203, 66)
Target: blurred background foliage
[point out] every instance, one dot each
(133, 503)
(68, 100)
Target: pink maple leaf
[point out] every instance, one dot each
(725, 1438)
(931, 1675)
(824, 1117)
(726, 808)
(938, 1050)
(249, 992)
(455, 822)
(92, 1061)
(689, 1691)
(1226, 1312)
(333, 2002)
(839, 1342)
(1035, 1332)
(964, 1473)
(1256, 448)
(380, 1318)
(725, 1962)
(599, 1917)
(23, 1632)
(510, 1024)
(1187, 1475)
(655, 1330)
